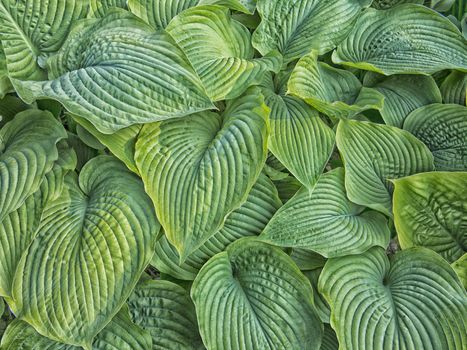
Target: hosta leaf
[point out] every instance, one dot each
(219, 49)
(120, 333)
(84, 153)
(454, 88)
(93, 243)
(405, 93)
(5, 83)
(10, 106)
(440, 5)
(166, 311)
(329, 339)
(34, 29)
(17, 230)
(295, 27)
(218, 156)
(443, 128)
(321, 304)
(253, 296)
(307, 260)
(386, 4)
(100, 7)
(335, 92)
(116, 72)
(430, 210)
(374, 154)
(299, 138)
(460, 266)
(248, 220)
(404, 39)
(28, 151)
(323, 220)
(413, 302)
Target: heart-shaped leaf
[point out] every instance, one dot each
(93, 243)
(430, 210)
(414, 301)
(253, 296)
(323, 220)
(218, 156)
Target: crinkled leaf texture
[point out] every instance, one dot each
(117, 71)
(253, 296)
(199, 169)
(323, 220)
(92, 245)
(430, 210)
(413, 301)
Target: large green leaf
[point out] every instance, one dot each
(200, 168)
(443, 128)
(121, 333)
(166, 311)
(454, 88)
(430, 210)
(253, 296)
(323, 220)
(335, 92)
(34, 29)
(373, 155)
(299, 138)
(295, 27)
(116, 72)
(220, 51)
(28, 151)
(415, 301)
(403, 94)
(18, 228)
(404, 39)
(93, 243)
(248, 220)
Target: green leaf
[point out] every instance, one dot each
(403, 94)
(253, 296)
(329, 339)
(296, 27)
(430, 211)
(321, 304)
(454, 87)
(373, 155)
(93, 243)
(335, 92)
(323, 220)
(220, 51)
(33, 30)
(10, 106)
(219, 158)
(460, 266)
(443, 128)
(414, 301)
(166, 311)
(299, 138)
(248, 220)
(99, 8)
(135, 75)
(404, 39)
(120, 333)
(5, 83)
(84, 153)
(307, 260)
(386, 4)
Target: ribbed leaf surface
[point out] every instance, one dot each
(454, 88)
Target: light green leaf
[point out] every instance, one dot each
(248, 220)
(18, 229)
(100, 7)
(430, 210)
(245, 6)
(335, 92)
(404, 39)
(454, 88)
(321, 304)
(329, 339)
(135, 75)
(460, 266)
(219, 158)
(443, 128)
(93, 243)
(5, 83)
(386, 4)
(296, 27)
(220, 51)
(403, 94)
(121, 143)
(373, 155)
(121, 333)
(253, 296)
(299, 138)
(166, 311)
(33, 30)
(323, 220)
(415, 301)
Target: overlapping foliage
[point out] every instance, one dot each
(233, 174)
